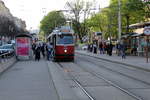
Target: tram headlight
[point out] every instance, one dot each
(65, 50)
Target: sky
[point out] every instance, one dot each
(32, 11)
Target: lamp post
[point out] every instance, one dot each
(119, 20)
(44, 14)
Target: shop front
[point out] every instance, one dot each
(139, 41)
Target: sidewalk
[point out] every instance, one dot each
(6, 63)
(133, 61)
(27, 80)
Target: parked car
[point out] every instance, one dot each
(1, 50)
(7, 48)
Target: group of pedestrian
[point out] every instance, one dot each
(38, 48)
(107, 48)
(41, 48)
(92, 47)
(103, 48)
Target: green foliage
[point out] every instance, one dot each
(52, 20)
(106, 21)
(79, 8)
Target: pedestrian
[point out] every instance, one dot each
(88, 48)
(118, 47)
(43, 50)
(110, 48)
(101, 48)
(33, 48)
(37, 52)
(95, 48)
(91, 47)
(49, 49)
(105, 47)
(123, 50)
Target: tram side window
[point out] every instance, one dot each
(65, 39)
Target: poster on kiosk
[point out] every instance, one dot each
(23, 45)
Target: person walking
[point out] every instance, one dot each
(43, 50)
(49, 49)
(101, 48)
(33, 48)
(110, 48)
(95, 48)
(37, 52)
(118, 47)
(91, 47)
(123, 50)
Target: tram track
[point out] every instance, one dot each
(137, 80)
(79, 84)
(103, 78)
(115, 62)
(120, 73)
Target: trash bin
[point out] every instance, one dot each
(23, 47)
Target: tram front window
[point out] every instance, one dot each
(65, 39)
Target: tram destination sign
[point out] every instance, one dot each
(147, 30)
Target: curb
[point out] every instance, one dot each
(62, 87)
(129, 65)
(8, 66)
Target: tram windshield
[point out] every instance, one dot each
(65, 39)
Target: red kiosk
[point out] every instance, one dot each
(23, 47)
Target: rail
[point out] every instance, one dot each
(5, 56)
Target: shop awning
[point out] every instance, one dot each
(137, 35)
(128, 35)
(139, 25)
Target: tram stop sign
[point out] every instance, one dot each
(147, 30)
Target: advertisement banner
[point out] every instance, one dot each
(22, 46)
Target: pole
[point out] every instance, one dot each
(119, 20)
(147, 48)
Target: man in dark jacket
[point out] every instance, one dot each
(37, 52)
(110, 48)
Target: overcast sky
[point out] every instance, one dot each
(32, 11)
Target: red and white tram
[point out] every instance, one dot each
(63, 43)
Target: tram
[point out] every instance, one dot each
(62, 40)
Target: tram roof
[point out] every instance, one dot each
(61, 30)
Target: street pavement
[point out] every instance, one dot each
(6, 63)
(60, 80)
(39, 80)
(132, 61)
(27, 80)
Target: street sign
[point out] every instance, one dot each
(147, 30)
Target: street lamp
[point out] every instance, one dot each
(119, 20)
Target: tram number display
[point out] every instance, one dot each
(22, 46)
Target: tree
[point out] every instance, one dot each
(147, 9)
(132, 11)
(7, 27)
(52, 20)
(79, 8)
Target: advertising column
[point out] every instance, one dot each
(23, 47)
